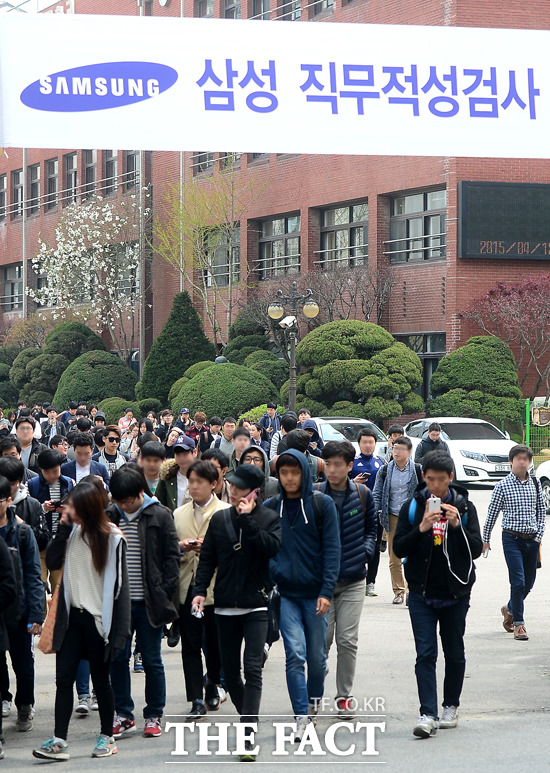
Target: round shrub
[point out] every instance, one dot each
(44, 372)
(18, 371)
(4, 371)
(149, 404)
(276, 371)
(342, 340)
(226, 390)
(38, 396)
(347, 408)
(176, 388)
(238, 356)
(71, 339)
(8, 353)
(255, 414)
(197, 367)
(8, 393)
(113, 408)
(253, 342)
(244, 326)
(261, 355)
(378, 410)
(93, 377)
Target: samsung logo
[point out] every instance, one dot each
(99, 86)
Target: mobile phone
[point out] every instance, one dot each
(57, 504)
(434, 504)
(193, 542)
(253, 496)
(365, 475)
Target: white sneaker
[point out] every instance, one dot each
(6, 708)
(301, 724)
(84, 705)
(222, 694)
(449, 718)
(94, 705)
(426, 727)
(370, 590)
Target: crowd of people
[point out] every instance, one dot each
(223, 533)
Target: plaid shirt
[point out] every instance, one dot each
(522, 506)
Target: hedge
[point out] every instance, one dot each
(255, 414)
(276, 372)
(226, 390)
(71, 339)
(149, 404)
(113, 408)
(197, 367)
(18, 371)
(260, 355)
(43, 372)
(176, 387)
(93, 377)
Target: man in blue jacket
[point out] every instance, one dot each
(83, 463)
(305, 571)
(21, 537)
(271, 420)
(358, 526)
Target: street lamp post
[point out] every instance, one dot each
(276, 310)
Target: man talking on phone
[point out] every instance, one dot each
(238, 544)
(438, 533)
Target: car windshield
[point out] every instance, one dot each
(342, 430)
(473, 431)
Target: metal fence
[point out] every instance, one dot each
(537, 430)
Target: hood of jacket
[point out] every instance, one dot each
(168, 469)
(311, 424)
(22, 493)
(306, 493)
(267, 466)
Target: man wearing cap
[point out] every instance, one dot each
(172, 489)
(238, 544)
(184, 422)
(99, 419)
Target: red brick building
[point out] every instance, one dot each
(310, 210)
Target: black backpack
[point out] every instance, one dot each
(13, 612)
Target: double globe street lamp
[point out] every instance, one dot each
(276, 310)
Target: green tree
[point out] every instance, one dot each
(479, 379)
(180, 344)
(71, 339)
(94, 376)
(18, 371)
(114, 407)
(43, 373)
(226, 390)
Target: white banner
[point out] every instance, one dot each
(258, 86)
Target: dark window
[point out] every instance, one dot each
(90, 173)
(259, 9)
(258, 156)
(220, 255)
(202, 162)
(471, 431)
(229, 159)
(131, 169)
(344, 236)
(322, 5)
(417, 227)
(430, 347)
(51, 183)
(232, 9)
(13, 287)
(70, 192)
(17, 193)
(33, 183)
(111, 171)
(204, 9)
(279, 247)
(289, 10)
(3, 196)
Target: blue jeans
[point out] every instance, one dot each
(304, 636)
(155, 681)
(521, 558)
(452, 624)
(83, 679)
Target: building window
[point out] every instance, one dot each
(204, 9)
(232, 9)
(34, 189)
(202, 162)
(290, 10)
(131, 169)
(322, 5)
(17, 193)
(51, 183)
(110, 171)
(70, 192)
(3, 196)
(259, 9)
(13, 287)
(344, 236)
(229, 159)
(223, 257)
(430, 347)
(90, 174)
(258, 157)
(279, 247)
(417, 227)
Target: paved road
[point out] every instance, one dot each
(505, 704)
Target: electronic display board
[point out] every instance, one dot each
(504, 220)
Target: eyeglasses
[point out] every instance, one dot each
(254, 460)
(113, 439)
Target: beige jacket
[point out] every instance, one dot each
(186, 527)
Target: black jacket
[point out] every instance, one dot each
(243, 575)
(160, 559)
(30, 511)
(418, 546)
(7, 591)
(36, 447)
(426, 445)
(120, 626)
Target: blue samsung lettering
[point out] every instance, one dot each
(98, 86)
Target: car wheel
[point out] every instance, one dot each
(545, 483)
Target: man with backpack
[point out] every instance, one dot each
(395, 484)
(438, 532)
(358, 526)
(24, 620)
(223, 442)
(305, 571)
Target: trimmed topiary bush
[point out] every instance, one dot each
(93, 377)
(342, 340)
(18, 371)
(347, 408)
(244, 326)
(149, 404)
(238, 356)
(113, 408)
(71, 339)
(197, 367)
(181, 343)
(255, 414)
(261, 355)
(43, 372)
(38, 396)
(276, 371)
(8, 353)
(226, 390)
(176, 388)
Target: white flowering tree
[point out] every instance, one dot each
(93, 267)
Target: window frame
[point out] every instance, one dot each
(3, 196)
(266, 242)
(89, 164)
(232, 9)
(131, 170)
(352, 261)
(17, 203)
(110, 173)
(52, 184)
(423, 249)
(202, 162)
(426, 355)
(231, 258)
(33, 196)
(14, 283)
(260, 15)
(209, 9)
(70, 177)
